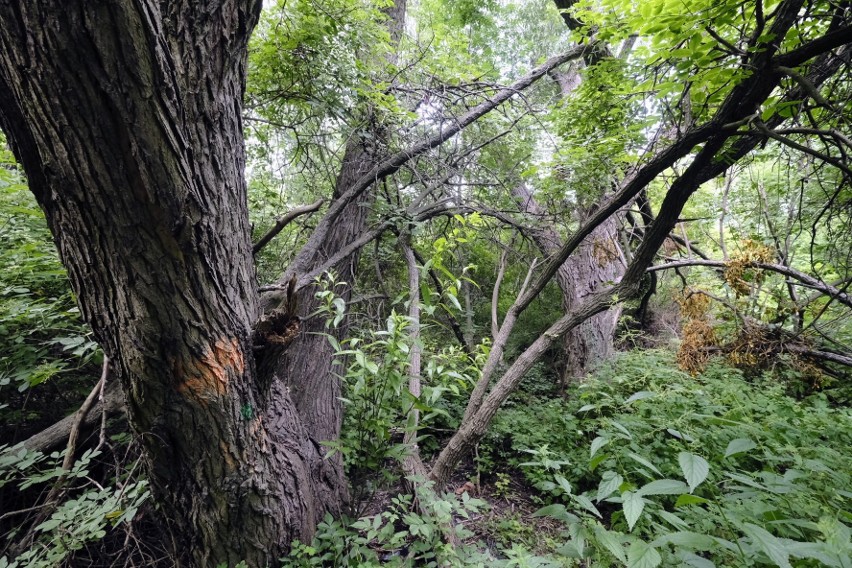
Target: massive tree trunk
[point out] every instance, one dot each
(126, 118)
(595, 265)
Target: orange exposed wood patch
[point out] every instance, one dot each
(206, 377)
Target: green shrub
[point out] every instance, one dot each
(41, 330)
(666, 469)
(85, 514)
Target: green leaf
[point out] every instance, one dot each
(663, 487)
(587, 504)
(563, 483)
(687, 499)
(813, 550)
(686, 539)
(695, 561)
(680, 435)
(597, 444)
(339, 305)
(695, 469)
(360, 359)
(623, 430)
(639, 396)
(642, 555)
(673, 520)
(454, 301)
(558, 512)
(633, 504)
(644, 462)
(597, 460)
(739, 446)
(611, 541)
(769, 544)
(610, 482)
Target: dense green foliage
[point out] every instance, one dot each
(84, 517)
(645, 466)
(720, 435)
(706, 465)
(40, 327)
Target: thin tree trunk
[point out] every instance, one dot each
(412, 464)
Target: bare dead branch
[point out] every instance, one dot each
(283, 221)
(821, 354)
(497, 346)
(495, 295)
(393, 163)
(805, 279)
(51, 502)
(760, 127)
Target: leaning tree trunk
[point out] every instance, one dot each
(126, 118)
(308, 366)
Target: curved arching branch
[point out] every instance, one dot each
(805, 279)
(393, 163)
(283, 221)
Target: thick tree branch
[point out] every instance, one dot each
(53, 436)
(829, 41)
(821, 354)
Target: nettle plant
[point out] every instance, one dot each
(706, 472)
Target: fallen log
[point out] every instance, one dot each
(55, 436)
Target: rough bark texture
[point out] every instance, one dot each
(126, 118)
(308, 365)
(595, 265)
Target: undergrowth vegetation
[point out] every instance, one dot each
(471, 198)
(40, 327)
(642, 465)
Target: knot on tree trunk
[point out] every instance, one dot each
(278, 327)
